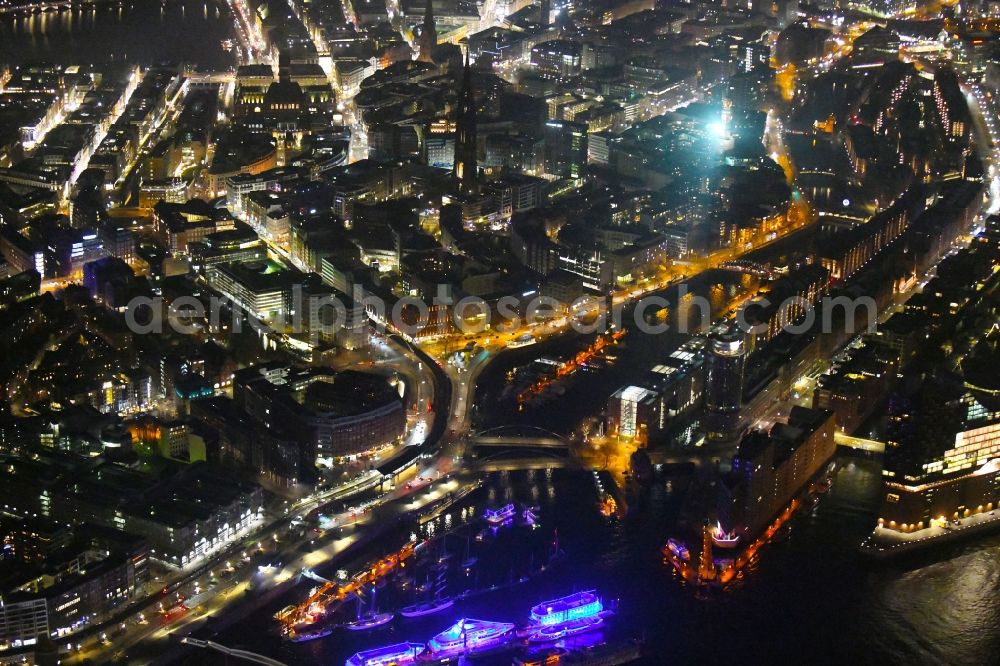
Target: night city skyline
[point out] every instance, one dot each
(500, 332)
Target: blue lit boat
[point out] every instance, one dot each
(567, 609)
(501, 515)
(548, 633)
(398, 654)
(468, 636)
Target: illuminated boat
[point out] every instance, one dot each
(427, 608)
(567, 609)
(303, 636)
(677, 549)
(398, 654)
(529, 516)
(553, 632)
(722, 538)
(501, 515)
(467, 636)
(369, 621)
(436, 603)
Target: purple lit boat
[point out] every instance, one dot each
(501, 515)
(677, 549)
(399, 654)
(469, 636)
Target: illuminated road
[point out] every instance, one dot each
(982, 106)
(234, 590)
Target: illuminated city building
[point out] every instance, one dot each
(334, 415)
(192, 511)
(724, 368)
(771, 468)
(669, 391)
(946, 464)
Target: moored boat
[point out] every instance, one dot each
(566, 609)
(468, 636)
(304, 636)
(676, 549)
(723, 539)
(399, 654)
(554, 632)
(501, 515)
(369, 621)
(427, 608)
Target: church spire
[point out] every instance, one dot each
(428, 35)
(466, 174)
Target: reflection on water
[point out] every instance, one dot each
(811, 599)
(142, 31)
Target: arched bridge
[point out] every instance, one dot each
(521, 441)
(519, 435)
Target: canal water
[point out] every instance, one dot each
(810, 599)
(135, 31)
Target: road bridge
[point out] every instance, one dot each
(859, 443)
(518, 437)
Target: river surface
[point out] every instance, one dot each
(136, 31)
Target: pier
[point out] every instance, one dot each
(331, 593)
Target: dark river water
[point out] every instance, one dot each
(136, 31)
